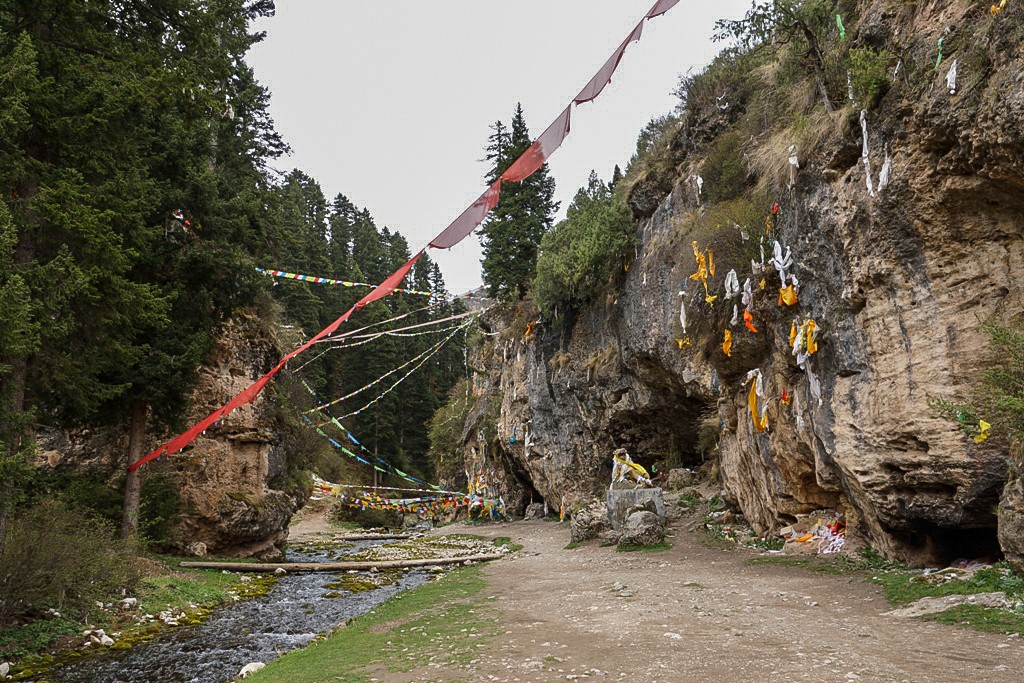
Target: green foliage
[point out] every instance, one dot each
(511, 234)
(998, 396)
(725, 170)
(56, 556)
(446, 429)
(903, 587)
(580, 254)
(868, 74)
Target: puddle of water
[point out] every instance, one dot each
(293, 613)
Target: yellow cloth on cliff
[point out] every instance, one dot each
(810, 332)
(787, 296)
(984, 427)
(727, 344)
(759, 424)
(792, 335)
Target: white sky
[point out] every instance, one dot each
(389, 101)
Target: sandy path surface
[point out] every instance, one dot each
(703, 614)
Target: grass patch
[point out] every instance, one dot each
(507, 542)
(985, 619)
(656, 548)
(438, 623)
(836, 565)
(574, 544)
(903, 587)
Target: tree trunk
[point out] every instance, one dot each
(133, 484)
(819, 66)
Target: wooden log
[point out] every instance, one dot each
(373, 537)
(337, 566)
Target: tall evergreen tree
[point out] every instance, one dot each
(512, 232)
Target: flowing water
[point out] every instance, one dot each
(259, 630)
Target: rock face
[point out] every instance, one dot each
(1011, 516)
(227, 504)
(897, 282)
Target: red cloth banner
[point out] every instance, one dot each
(603, 77)
(661, 7)
(544, 146)
(462, 226)
(388, 286)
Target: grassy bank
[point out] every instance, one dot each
(41, 643)
(439, 624)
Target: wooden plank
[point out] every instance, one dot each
(338, 566)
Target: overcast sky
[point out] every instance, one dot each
(389, 102)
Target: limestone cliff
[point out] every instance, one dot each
(897, 279)
(224, 478)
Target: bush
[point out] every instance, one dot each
(65, 558)
(868, 75)
(579, 255)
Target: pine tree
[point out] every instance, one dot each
(512, 232)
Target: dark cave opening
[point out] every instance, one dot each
(681, 432)
(934, 545)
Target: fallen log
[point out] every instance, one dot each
(337, 566)
(373, 537)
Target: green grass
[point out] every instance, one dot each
(985, 619)
(815, 563)
(656, 548)
(20, 641)
(904, 587)
(440, 622)
(574, 544)
(507, 541)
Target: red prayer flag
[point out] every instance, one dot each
(470, 218)
(604, 76)
(661, 7)
(534, 157)
(388, 286)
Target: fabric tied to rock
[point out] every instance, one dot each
(984, 428)
(748, 320)
(732, 285)
(758, 406)
(782, 262)
(787, 296)
(865, 152)
(727, 344)
(951, 78)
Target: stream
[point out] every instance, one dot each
(292, 614)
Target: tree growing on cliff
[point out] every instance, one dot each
(772, 25)
(512, 233)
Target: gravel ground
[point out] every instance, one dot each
(699, 613)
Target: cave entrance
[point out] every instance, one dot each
(933, 545)
(679, 433)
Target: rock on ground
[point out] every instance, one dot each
(934, 605)
(589, 522)
(642, 528)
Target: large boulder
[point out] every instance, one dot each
(534, 511)
(642, 529)
(680, 478)
(589, 522)
(621, 501)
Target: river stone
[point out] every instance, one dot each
(5, 668)
(250, 669)
(642, 529)
(589, 521)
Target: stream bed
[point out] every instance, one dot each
(294, 612)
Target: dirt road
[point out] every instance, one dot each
(697, 613)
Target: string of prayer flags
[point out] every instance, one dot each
(535, 156)
(727, 344)
(346, 283)
(756, 402)
(984, 428)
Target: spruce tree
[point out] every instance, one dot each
(512, 232)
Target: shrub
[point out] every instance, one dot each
(868, 74)
(580, 254)
(65, 558)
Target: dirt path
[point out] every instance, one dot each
(703, 614)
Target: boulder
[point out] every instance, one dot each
(197, 549)
(589, 522)
(680, 478)
(534, 511)
(642, 529)
(620, 501)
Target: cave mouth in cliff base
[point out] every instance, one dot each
(945, 546)
(671, 435)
